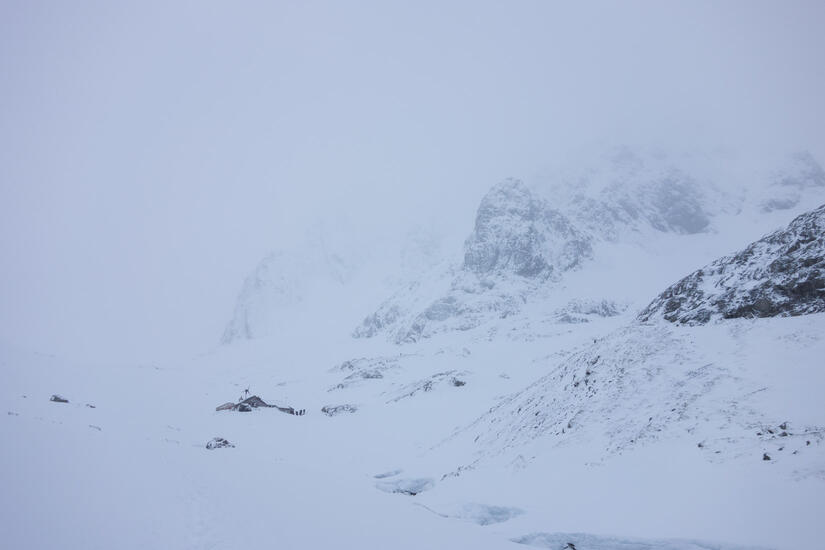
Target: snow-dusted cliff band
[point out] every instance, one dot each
(782, 274)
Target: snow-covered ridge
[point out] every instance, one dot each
(801, 174)
(518, 244)
(574, 234)
(621, 193)
(517, 232)
(782, 274)
(717, 388)
(624, 190)
(312, 282)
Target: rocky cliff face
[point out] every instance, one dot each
(782, 274)
(623, 190)
(531, 245)
(517, 232)
(518, 243)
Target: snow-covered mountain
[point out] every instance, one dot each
(608, 231)
(280, 283)
(519, 243)
(622, 190)
(780, 274)
(517, 233)
(310, 285)
(799, 177)
(508, 392)
(721, 385)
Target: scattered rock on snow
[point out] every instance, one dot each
(332, 410)
(218, 443)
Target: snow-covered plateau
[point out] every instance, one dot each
(571, 377)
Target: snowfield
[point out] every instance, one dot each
(674, 450)
(509, 397)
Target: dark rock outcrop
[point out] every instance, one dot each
(218, 443)
(782, 274)
(333, 410)
(255, 402)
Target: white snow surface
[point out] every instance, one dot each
(134, 471)
(561, 420)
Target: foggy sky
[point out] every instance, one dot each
(152, 153)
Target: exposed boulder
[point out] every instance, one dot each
(218, 443)
(58, 399)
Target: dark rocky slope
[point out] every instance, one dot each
(782, 274)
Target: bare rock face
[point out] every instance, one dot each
(625, 190)
(516, 232)
(518, 244)
(782, 274)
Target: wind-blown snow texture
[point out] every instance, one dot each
(780, 274)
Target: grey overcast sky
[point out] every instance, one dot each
(152, 152)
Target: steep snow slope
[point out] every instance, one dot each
(642, 383)
(311, 285)
(780, 274)
(619, 193)
(623, 221)
(661, 433)
(645, 381)
(518, 244)
(798, 179)
(346, 479)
